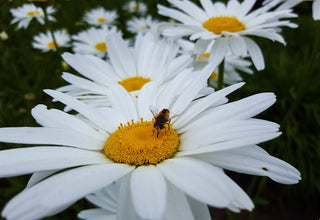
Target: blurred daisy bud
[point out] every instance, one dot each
(4, 36)
(64, 65)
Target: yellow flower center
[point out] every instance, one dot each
(134, 8)
(102, 46)
(223, 23)
(206, 54)
(214, 75)
(33, 13)
(51, 45)
(134, 83)
(101, 20)
(141, 144)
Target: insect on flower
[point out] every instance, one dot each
(161, 119)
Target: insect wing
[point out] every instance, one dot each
(154, 110)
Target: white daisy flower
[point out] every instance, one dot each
(107, 200)
(154, 163)
(143, 25)
(135, 7)
(100, 16)
(148, 60)
(44, 41)
(292, 3)
(24, 14)
(228, 26)
(316, 9)
(232, 65)
(94, 40)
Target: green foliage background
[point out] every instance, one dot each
(292, 73)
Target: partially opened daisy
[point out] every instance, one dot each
(100, 16)
(107, 200)
(45, 43)
(228, 26)
(94, 40)
(24, 14)
(142, 25)
(135, 7)
(233, 64)
(130, 67)
(154, 164)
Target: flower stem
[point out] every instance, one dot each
(220, 75)
(48, 24)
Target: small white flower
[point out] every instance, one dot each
(24, 14)
(94, 40)
(131, 67)
(232, 65)
(100, 16)
(143, 25)
(156, 168)
(44, 41)
(316, 9)
(228, 26)
(135, 7)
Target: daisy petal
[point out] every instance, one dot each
(255, 53)
(147, 97)
(177, 205)
(218, 51)
(125, 208)
(22, 161)
(199, 209)
(148, 190)
(255, 161)
(38, 202)
(198, 179)
(39, 176)
(51, 136)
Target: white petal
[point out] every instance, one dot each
(121, 56)
(96, 214)
(239, 142)
(177, 205)
(51, 136)
(253, 160)
(316, 10)
(226, 131)
(203, 104)
(147, 97)
(61, 189)
(200, 210)
(238, 46)
(21, 161)
(198, 179)
(80, 107)
(121, 101)
(218, 51)
(39, 176)
(125, 209)
(255, 53)
(238, 110)
(57, 118)
(148, 190)
(85, 84)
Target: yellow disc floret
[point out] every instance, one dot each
(141, 144)
(102, 46)
(51, 45)
(134, 83)
(33, 13)
(101, 20)
(223, 23)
